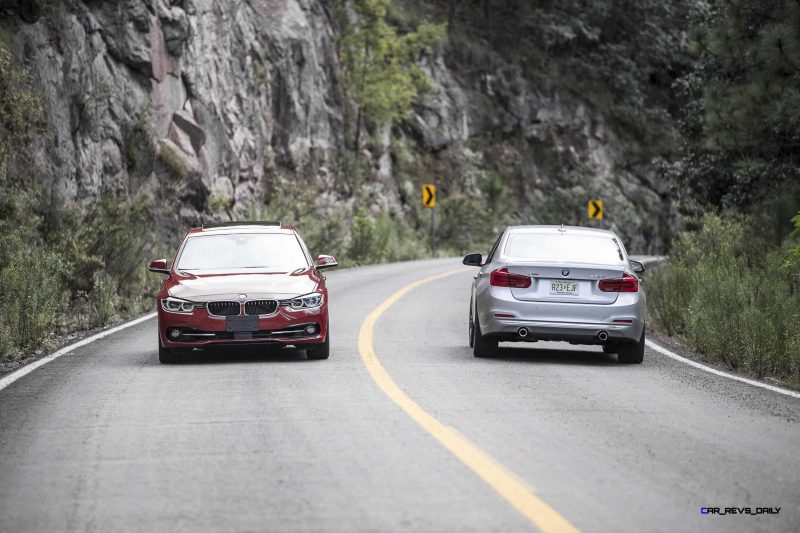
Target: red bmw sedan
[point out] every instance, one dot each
(242, 283)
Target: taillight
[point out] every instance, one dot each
(626, 283)
(503, 278)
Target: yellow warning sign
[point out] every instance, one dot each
(429, 195)
(595, 209)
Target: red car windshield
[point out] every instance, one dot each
(234, 251)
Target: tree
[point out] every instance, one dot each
(382, 71)
(742, 124)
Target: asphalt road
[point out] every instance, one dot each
(107, 439)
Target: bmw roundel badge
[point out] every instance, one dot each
(565, 272)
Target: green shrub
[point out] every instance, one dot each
(173, 162)
(669, 291)
(104, 297)
(218, 203)
(31, 299)
(729, 300)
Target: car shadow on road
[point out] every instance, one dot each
(255, 354)
(556, 356)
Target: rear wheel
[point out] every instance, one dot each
(481, 346)
(320, 351)
(632, 353)
(471, 328)
(167, 356)
(610, 348)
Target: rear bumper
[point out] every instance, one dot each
(580, 333)
(201, 330)
(572, 322)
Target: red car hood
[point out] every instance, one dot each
(256, 286)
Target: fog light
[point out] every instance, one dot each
(174, 333)
(311, 329)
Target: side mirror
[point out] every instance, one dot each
(326, 261)
(474, 260)
(159, 266)
(637, 266)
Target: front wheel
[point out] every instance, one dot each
(167, 356)
(632, 353)
(481, 346)
(321, 351)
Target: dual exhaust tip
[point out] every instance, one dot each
(602, 336)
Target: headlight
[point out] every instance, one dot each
(305, 302)
(176, 305)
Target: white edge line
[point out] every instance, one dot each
(25, 370)
(695, 364)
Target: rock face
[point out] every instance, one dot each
(204, 102)
(221, 90)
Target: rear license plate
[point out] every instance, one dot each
(241, 323)
(564, 287)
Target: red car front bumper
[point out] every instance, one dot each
(198, 329)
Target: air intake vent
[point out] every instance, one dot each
(223, 308)
(261, 307)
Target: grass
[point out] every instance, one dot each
(729, 300)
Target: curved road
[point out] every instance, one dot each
(105, 438)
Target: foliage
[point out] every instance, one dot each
(792, 262)
(619, 57)
(173, 162)
(741, 124)
(21, 119)
(219, 202)
(381, 66)
(60, 266)
(140, 151)
(376, 239)
(370, 239)
(31, 298)
(729, 300)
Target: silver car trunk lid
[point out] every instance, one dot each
(573, 283)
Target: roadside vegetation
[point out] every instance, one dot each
(730, 294)
(62, 267)
(732, 286)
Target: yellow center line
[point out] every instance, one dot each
(518, 493)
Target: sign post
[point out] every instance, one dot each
(429, 200)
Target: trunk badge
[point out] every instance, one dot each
(565, 272)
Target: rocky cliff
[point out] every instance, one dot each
(207, 104)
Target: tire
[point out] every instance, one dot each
(471, 327)
(167, 356)
(481, 346)
(632, 353)
(610, 348)
(322, 350)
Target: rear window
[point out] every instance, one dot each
(563, 247)
(256, 251)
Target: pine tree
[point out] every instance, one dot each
(743, 127)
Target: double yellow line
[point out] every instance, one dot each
(518, 493)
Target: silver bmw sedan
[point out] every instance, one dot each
(558, 283)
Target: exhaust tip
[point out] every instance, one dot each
(522, 332)
(602, 336)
